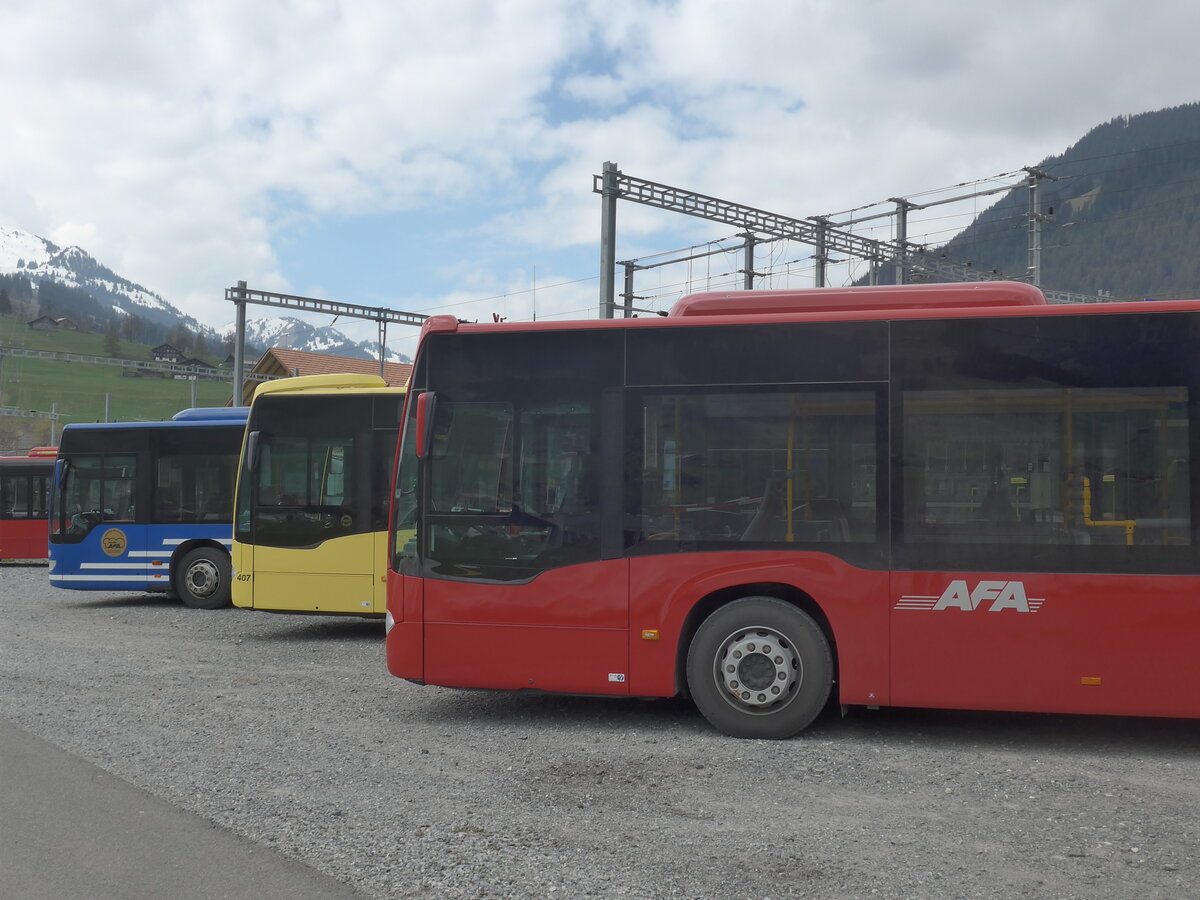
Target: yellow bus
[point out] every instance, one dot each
(311, 507)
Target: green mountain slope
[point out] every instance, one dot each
(79, 389)
(1125, 200)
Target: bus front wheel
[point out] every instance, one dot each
(759, 668)
(202, 581)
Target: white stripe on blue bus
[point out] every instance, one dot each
(133, 576)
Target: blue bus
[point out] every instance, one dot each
(148, 506)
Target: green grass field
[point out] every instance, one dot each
(79, 389)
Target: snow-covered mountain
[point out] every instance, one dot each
(293, 334)
(39, 260)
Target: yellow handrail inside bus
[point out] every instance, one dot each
(1127, 524)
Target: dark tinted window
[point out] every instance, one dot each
(513, 487)
(505, 365)
(738, 467)
(1057, 466)
(514, 469)
(1064, 351)
(102, 480)
(194, 474)
(321, 469)
(24, 494)
(758, 354)
(95, 489)
(1045, 444)
(15, 496)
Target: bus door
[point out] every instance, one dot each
(517, 594)
(98, 536)
(314, 546)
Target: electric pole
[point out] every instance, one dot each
(1035, 223)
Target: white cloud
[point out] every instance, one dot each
(175, 141)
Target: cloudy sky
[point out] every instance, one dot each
(439, 156)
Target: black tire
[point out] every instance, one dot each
(748, 693)
(202, 580)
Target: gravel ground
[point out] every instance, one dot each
(290, 732)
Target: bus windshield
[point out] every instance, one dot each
(310, 472)
(95, 489)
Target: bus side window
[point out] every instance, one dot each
(1047, 466)
(10, 504)
(724, 465)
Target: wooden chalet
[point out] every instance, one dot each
(47, 323)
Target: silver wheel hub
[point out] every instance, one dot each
(757, 667)
(202, 578)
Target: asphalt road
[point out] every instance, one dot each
(71, 830)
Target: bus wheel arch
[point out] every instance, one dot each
(201, 575)
(759, 661)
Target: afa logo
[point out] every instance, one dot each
(994, 596)
(113, 542)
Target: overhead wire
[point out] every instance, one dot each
(776, 266)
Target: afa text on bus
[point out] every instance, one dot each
(148, 506)
(949, 496)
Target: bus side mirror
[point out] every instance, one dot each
(60, 473)
(251, 451)
(426, 406)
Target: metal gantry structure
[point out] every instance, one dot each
(824, 235)
(240, 295)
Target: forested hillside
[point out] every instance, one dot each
(1126, 213)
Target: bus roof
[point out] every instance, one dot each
(888, 302)
(34, 453)
(210, 414)
(9, 461)
(326, 384)
(198, 417)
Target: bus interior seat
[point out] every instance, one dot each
(769, 508)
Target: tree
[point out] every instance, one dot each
(5, 301)
(20, 295)
(180, 338)
(112, 340)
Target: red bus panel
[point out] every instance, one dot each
(566, 630)
(24, 504)
(1113, 644)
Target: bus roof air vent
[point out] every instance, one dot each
(901, 296)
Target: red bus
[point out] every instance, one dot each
(941, 496)
(24, 496)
